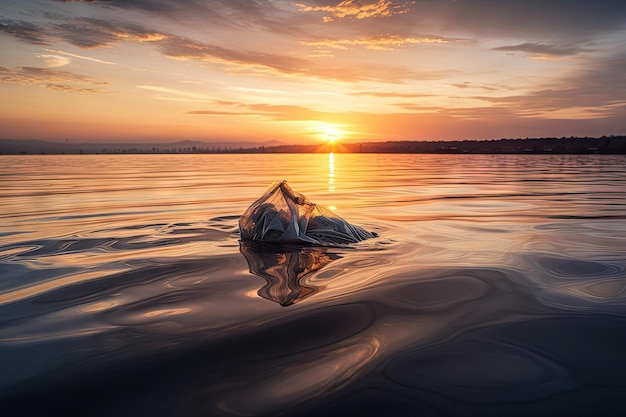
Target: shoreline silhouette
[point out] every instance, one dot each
(564, 145)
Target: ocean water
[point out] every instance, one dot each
(496, 287)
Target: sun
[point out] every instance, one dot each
(332, 135)
(326, 132)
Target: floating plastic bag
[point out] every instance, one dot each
(284, 216)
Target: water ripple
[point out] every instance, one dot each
(496, 287)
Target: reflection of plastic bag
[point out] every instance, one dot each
(282, 215)
(285, 268)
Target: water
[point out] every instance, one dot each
(496, 286)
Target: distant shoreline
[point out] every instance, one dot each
(609, 145)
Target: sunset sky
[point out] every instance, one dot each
(300, 71)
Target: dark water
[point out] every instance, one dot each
(496, 287)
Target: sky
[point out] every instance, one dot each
(304, 71)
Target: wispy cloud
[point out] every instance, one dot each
(380, 43)
(65, 88)
(53, 61)
(25, 31)
(187, 49)
(544, 49)
(390, 94)
(599, 86)
(174, 94)
(356, 9)
(222, 113)
(289, 112)
(155, 6)
(283, 113)
(77, 56)
(213, 13)
(91, 33)
(83, 32)
(65, 81)
(468, 85)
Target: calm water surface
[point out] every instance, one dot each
(496, 286)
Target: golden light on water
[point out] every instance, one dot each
(331, 174)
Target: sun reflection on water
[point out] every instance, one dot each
(331, 173)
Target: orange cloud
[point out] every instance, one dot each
(379, 43)
(356, 9)
(141, 37)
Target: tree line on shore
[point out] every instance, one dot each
(569, 145)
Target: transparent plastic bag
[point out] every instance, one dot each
(283, 216)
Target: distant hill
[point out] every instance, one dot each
(571, 145)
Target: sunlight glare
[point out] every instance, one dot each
(330, 132)
(331, 173)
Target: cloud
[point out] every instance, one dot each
(91, 33)
(85, 58)
(390, 94)
(25, 31)
(174, 94)
(468, 85)
(83, 32)
(209, 13)
(288, 113)
(154, 6)
(178, 6)
(283, 113)
(65, 81)
(356, 9)
(543, 49)
(53, 61)
(72, 89)
(380, 43)
(88, 33)
(420, 109)
(221, 113)
(476, 113)
(183, 48)
(599, 86)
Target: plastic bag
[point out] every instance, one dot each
(284, 216)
